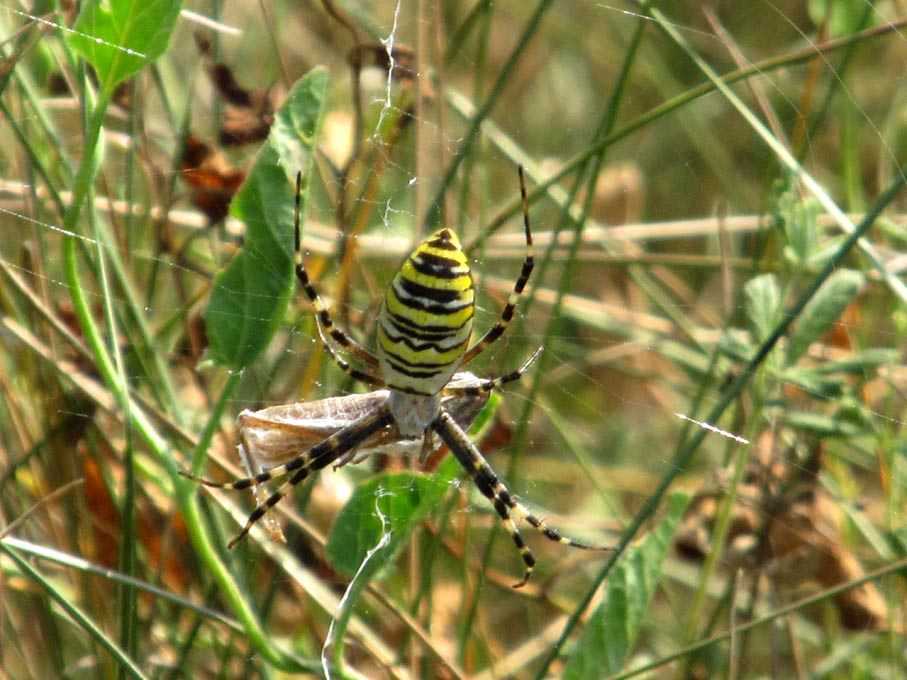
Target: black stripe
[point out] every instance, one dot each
(493, 335)
(323, 454)
(483, 476)
(410, 390)
(417, 364)
(413, 374)
(433, 294)
(526, 269)
(409, 327)
(436, 261)
(554, 534)
(421, 347)
(437, 266)
(441, 244)
(350, 439)
(391, 327)
(412, 333)
(438, 310)
(340, 337)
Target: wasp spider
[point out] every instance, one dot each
(424, 328)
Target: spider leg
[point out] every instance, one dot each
(498, 329)
(323, 320)
(487, 482)
(428, 445)
(352, 456)
(319, 456)
(259, 492)
(485, 386)
(495, 491)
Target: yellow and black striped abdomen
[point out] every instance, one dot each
(426, 318)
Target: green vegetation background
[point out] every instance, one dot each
(716, 199)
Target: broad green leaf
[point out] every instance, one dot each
(823, 310)
(403, 500)
(389, 504)
(119, 37)
(612, 629)
(250, 297)
(763, 305)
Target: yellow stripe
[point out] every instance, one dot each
(457, 255)
(460, 283)
(410, 356)
(419, 317)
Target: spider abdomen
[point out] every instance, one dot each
(426, 318)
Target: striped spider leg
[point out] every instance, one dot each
(487, 481)
(505, 504)
(324, 322)
(498, 329)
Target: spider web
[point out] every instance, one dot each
(607, 373)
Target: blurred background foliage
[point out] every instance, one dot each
(693, 259)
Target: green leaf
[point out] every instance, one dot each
(612, 629)
(842, 16)
(404, 500)
(736, 345)
(389, 504)
(823, 310)
(898, 540)
(250, 297)
(482, 423)
(860, 363)
(800, 218)
(817, 385)
(821, 425)
(763, 305)
(119, 37)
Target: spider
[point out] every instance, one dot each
(424, 328)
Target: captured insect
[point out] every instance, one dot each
(275, 435)
(424, 328)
